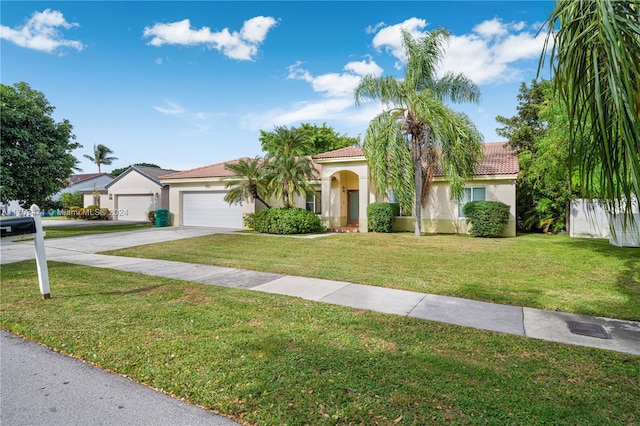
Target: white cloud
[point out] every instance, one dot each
(331, 109)
(171, 108)
(373, 28)
(42, 32)
(336, 85)
(337, 104)
(364, 68)
(390, 38)
(487, 54)
(199, 121)
(493, 27)
(241, 45)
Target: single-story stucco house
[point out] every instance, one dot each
(136, 192)
(91, 186)
(196, 197)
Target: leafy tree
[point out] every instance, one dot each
(540, 133)
(250, 181)
(289, 168)
(419, 133)
(35, 151)
(101, 156)
(70, 199)
(322, 139)
(121, 170)
(595, 59)
(523, 129)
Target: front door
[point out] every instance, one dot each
(353, 207)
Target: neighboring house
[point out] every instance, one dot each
(196, 197)
(92, 186)
(136, 192)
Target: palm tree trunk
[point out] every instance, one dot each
(417, 179)
(417, 169)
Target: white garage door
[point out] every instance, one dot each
(134, 207)
(210, 209)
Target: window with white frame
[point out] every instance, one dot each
(314, 202)
(476, 193)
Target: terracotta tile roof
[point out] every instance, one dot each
(211, 171)
(350, 151)
(498, 158)
(218, 170)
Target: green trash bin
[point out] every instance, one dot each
(162, 218)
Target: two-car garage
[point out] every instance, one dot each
(210, 209)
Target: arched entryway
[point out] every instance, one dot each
(345, 200)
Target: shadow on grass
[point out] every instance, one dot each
(627, 278)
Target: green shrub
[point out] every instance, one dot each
(248, 219)
(71, 199)
(380, 216)
(91, 212)
(72, 212)
(286, 221)
(151, 216)
(488, 218)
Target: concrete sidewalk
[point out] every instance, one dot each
(615, 335)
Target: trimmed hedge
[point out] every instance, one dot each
(488, 218)
(285, 221)
(72, 212)
(380, 216)
(94, 213)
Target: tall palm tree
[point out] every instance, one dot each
(249, 181)
(290, 168)
(418, 133)
(595, 57)
(101, 156)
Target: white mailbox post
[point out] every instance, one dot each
(41, 256)
(26, 227)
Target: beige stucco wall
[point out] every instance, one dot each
(105, 203)
(440, 215)
(136, 184)
(177, 187)
(339, 177)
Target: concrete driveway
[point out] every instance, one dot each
(62, 247)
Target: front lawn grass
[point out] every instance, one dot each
(554, 272)
(75, 231)
(273, 360)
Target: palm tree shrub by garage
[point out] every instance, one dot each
(381, 216)
(286, 221)
(488, 218)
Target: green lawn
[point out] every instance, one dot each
(552, 272)
(273, 360)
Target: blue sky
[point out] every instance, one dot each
(186, 84)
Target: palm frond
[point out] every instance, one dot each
(594, 51)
